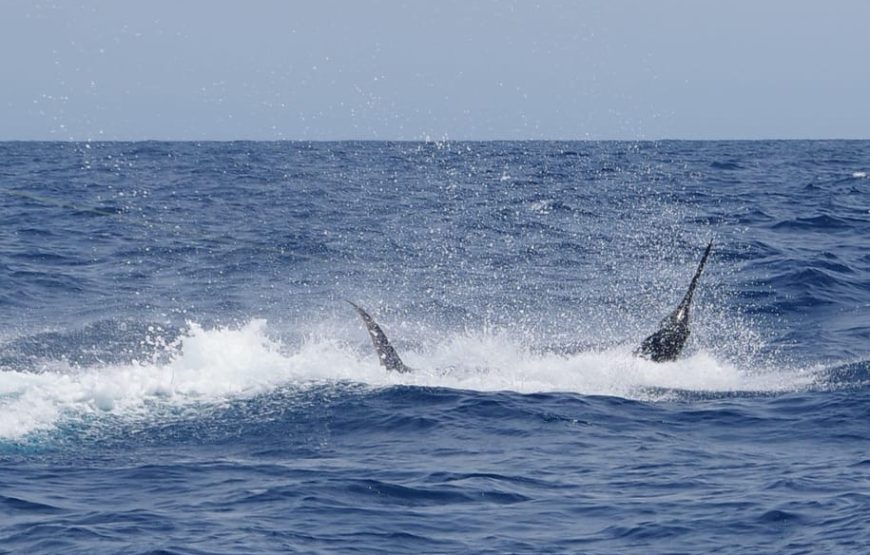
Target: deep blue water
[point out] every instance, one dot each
(179, 372)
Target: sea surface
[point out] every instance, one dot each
(180, 372)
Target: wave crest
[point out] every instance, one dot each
(212, 366)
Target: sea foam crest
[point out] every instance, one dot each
(216, 365)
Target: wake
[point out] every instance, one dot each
(213, 366)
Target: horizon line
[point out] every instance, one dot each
(430, 140)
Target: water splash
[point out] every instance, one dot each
(212, 366)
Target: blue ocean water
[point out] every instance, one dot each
(179, 372)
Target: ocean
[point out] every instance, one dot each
(180, 372)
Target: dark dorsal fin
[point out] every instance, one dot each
(681, 314)
(668, 341)
(386, 353)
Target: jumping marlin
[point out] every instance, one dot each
(386, 354)
(664, 345)
(667, 343)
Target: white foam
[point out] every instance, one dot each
(492, 363)
(212, 366)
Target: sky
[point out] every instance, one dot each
(434, 70)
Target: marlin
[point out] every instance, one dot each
(664, 345)
(667, 343)
(386, 353)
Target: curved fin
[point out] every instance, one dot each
(386, 353)
(682, 310)
(668, 341)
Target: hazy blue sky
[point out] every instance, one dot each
(361, 69)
